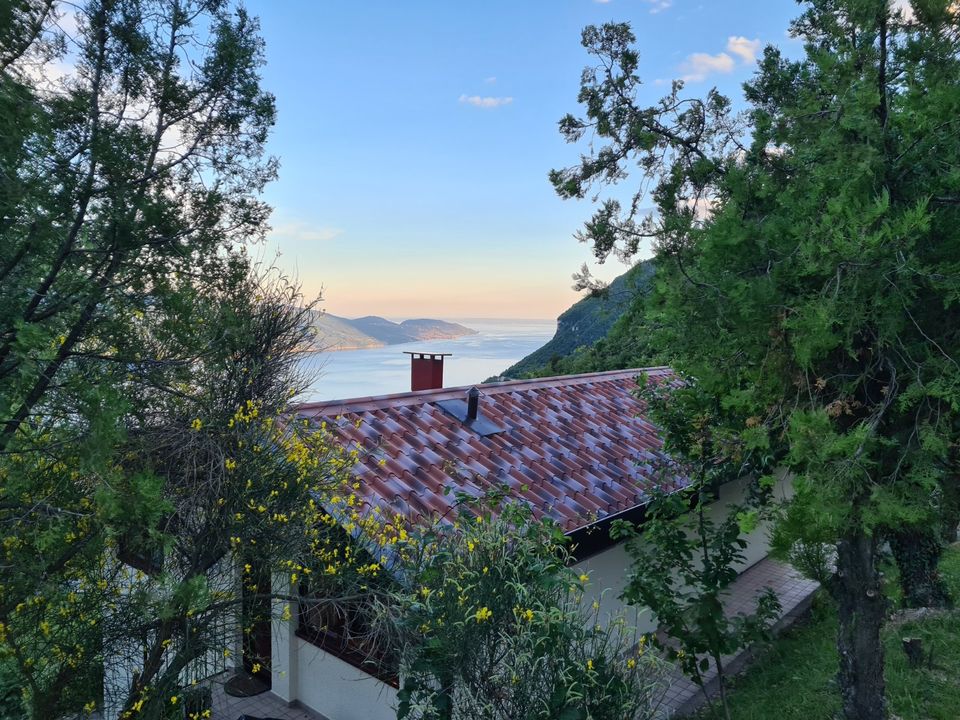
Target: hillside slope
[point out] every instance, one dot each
(426, 329)
(371, 331)
(336, 333)
(388, 333)
(596, 333)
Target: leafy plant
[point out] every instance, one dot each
(683, 562)
(684, 559)
(493, 625)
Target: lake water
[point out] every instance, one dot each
(497, 345)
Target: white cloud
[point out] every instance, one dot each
(697, 67)
(659, 5)
(300, 231)
(47, 75)
(904, 7)
(601, 2)
(743, 48)
(703, 208)
(485, 102)
(490, 80)
(67, 19)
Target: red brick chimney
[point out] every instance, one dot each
(426, 370)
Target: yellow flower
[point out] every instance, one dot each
(631, 664)
(256, 668)
(527, 614)
(196, 424)
(584, 578)
(470, 545)
(483, 614)
(173, 700)
(230, 464)
(590, 665)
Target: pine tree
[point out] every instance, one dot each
(808, 258)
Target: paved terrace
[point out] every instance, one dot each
(265, 705)
(795, 593)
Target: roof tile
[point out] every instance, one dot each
(577, 448)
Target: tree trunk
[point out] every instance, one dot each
(917, 551)
(856, 588)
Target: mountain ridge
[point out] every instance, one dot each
(595, 333)
(335, 333)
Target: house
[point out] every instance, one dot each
(578, 449)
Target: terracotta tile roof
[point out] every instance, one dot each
(577, 448)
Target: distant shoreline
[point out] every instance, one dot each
(333, 333)
(458, 319)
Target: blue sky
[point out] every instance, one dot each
(415, 140)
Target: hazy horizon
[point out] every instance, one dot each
(451, 318)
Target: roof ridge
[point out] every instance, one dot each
(424, 396)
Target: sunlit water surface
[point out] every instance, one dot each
(359, 373)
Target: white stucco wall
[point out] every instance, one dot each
(608, 578)
(608, 569)
(337, 689)
(120, 664)
(324, 683)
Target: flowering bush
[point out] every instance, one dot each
(492, 625)
(156, 554)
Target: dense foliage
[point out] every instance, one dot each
(807, 256)
(148, 468)
(493, 624)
